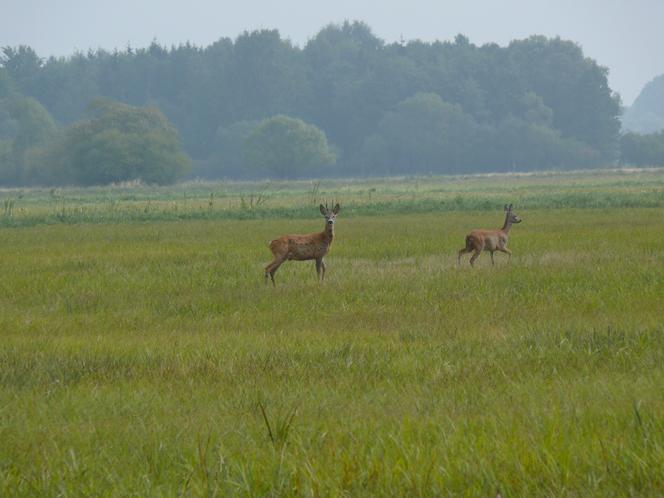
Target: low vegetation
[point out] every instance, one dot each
(299, 199)
(142, 354)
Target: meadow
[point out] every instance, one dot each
(141, 353)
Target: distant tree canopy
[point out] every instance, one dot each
(646, 114)
(423, 134)
(536, 103)
(642, 150)
(287, 148)
(227, 158)
(119, 143)
(25, 128)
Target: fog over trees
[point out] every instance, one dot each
(344, 104)
(646, 114)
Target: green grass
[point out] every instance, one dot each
(379, 196)
(149, 359)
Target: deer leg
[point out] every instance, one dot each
(319, 262)
(493, 263)
(272, 268)
(322, 264)
(273, 271)
(268, 269)
(475, 256)
(506, 251)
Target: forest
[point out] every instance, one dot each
(345, 104)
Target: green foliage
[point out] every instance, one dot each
(286, 147)
(26, 128)
(642, 150)
(424, 135)
(346, 81)
(121, 143)
(522, 145)
(7, 170)
(340, 60)
(23, 66)
(535, 111)
(227, 159)
(6, 84)
(574, 87)
(34, 124)
(646, 114)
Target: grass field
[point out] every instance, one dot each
(142, 354)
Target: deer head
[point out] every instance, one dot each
(511, 217)
(330, 216)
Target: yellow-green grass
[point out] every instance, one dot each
(295, 199)
(149, 359)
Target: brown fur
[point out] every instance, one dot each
(304, 247)
(490, 240)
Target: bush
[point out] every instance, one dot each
(287, 148)
(642, 150)
(121, 143)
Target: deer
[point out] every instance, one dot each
(304, 247)
(490, 240)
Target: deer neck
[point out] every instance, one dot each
(507, 225)
(328, 233)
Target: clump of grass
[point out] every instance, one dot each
(8, 207)
(315, 192)
(282, 426)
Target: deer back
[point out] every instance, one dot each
(301, 247)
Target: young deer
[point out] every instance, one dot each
(490, 240)
(304, 247)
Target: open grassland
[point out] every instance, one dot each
(376, 196)
(149, 359)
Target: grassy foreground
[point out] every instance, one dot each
(149, 359)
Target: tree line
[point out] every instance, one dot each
(344, 104)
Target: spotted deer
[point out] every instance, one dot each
(490, 240)
(304, 247)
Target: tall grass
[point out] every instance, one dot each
(149, 359)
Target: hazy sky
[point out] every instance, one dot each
(625, 35)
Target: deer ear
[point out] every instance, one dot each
(510, 208)
(323, 211)
(506, 207)
(336, 209)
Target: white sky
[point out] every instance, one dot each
(626, 36)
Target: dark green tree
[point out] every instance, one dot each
(228, 155)
(286, 147)
(517, 144)
(574, 87)
(23, 66)
(119, 143)
(423, 134)
(345, 81)
(6, 84)
(642, 150)
(340, 62)
(24, 125)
